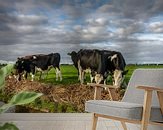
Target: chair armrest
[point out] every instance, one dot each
(100, 85)
(150, 88)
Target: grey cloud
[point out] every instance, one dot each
(28, 26)
(125, 30)
(157, 7)
(155, 27)
(139, 9)
(13, 28)
(31, 19)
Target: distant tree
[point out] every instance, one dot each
(2, 65)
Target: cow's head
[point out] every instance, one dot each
(74, 58)
(34, 59)
(19, 68)
(19, 65)
(73, 53)
(118, 73)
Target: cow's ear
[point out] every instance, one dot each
(112, 57)
(125, 72)
(34, 57)
(109, 57)
(69, 54)
(18, 58)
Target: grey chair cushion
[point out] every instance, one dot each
(125, 110)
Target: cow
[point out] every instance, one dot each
(115, 66)
(93, 60)
(45, 62)
(39, 62)
(24, 65)
(101, 64)
(74, 57)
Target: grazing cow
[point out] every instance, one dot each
(86, 61)
(45, 62)
(116, 66)
(24, 65)
(89, 60)
(39, 62)
(101, 63)
(74, 57)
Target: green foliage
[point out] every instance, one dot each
(2, 65)
(20, 99)
(24, 98)
(4, 71)
(8, 126)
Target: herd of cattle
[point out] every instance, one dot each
(99, 63)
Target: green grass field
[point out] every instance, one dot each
(70, 75)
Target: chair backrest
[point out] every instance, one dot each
(147, 77)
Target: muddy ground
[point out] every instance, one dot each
(74, 95)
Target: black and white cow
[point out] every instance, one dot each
(45, 62)
(40, 62)
(75, 57)
(23, 66)
(94, 61)
(115, 66)
(101, 63)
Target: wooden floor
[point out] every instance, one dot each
(57, 121)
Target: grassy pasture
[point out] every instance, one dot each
(70, 75)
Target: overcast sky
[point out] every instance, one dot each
(133, 27)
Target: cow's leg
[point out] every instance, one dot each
(44, 73)
(47, 72)
(80, 73)
(92, 78)
(18, 77)
(82, 76)
(58, 74)
(33, 76)
(26, 75)
(32, 73)
(40, 75)
(105, 82)
(78, 76)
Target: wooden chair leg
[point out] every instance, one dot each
(146, 110)
(94, 121)
(124, 125)
(110, 95)
(160, 98)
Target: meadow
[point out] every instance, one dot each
(69, 73)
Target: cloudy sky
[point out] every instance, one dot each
(133, 27)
